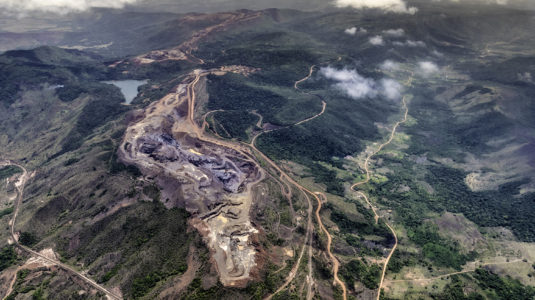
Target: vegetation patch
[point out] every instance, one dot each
(356, 270)
(197, 292)
(6, 211)
(229, 93)
(32, 68)
(152, 191)
(489, 209)
(471, 89)
(498, 287)
(328, 177)
(9, 171)
(8, 257)
(28, 239)
(152, 240)
(234, 124)
(103, 106)
(362, 223)
(70, 92)
(442, 252)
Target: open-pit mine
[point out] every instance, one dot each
(211, 178)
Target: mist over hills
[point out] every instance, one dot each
(135, 28)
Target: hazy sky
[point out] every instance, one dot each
(65, 6)
(60, 6)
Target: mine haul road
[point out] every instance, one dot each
(367, 179)
(319, 196)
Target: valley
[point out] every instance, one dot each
(345, 153)
(43, 258)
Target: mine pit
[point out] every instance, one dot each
(211, 180)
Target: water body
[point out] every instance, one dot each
(128, 87)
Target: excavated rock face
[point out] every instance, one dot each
(211, 181)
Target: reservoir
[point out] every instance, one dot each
(128, 87)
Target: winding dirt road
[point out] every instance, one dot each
(336, 263)
(20, 191)
(305, 191)
(309, 229)
(324, 105)
(185, 50)
(205, 123)
(366, 168)
(199, 130)
(295, 268)
(296, 84)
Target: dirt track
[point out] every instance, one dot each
(336, 263)
(285, 177)
(366, 168)
(20, 190)
(184, 51)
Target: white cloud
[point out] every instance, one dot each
(525, 77)
(395, 6)
(437, 54)
(59, 6)
(391, 89)
(389, 65)
(377, 40)
(351, 31)
(395, 32)
(351, 82)
(427, 68)
(409, 43)
(415, 43)
(357, 86)
(355, 30)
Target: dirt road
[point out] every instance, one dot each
(241, 148)
(295, 268)
(336, 263)
(20, 190)
(324, 105)
(286, 177)
(367, 170)
(205, 123)
(296, 84)
(185, 50)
